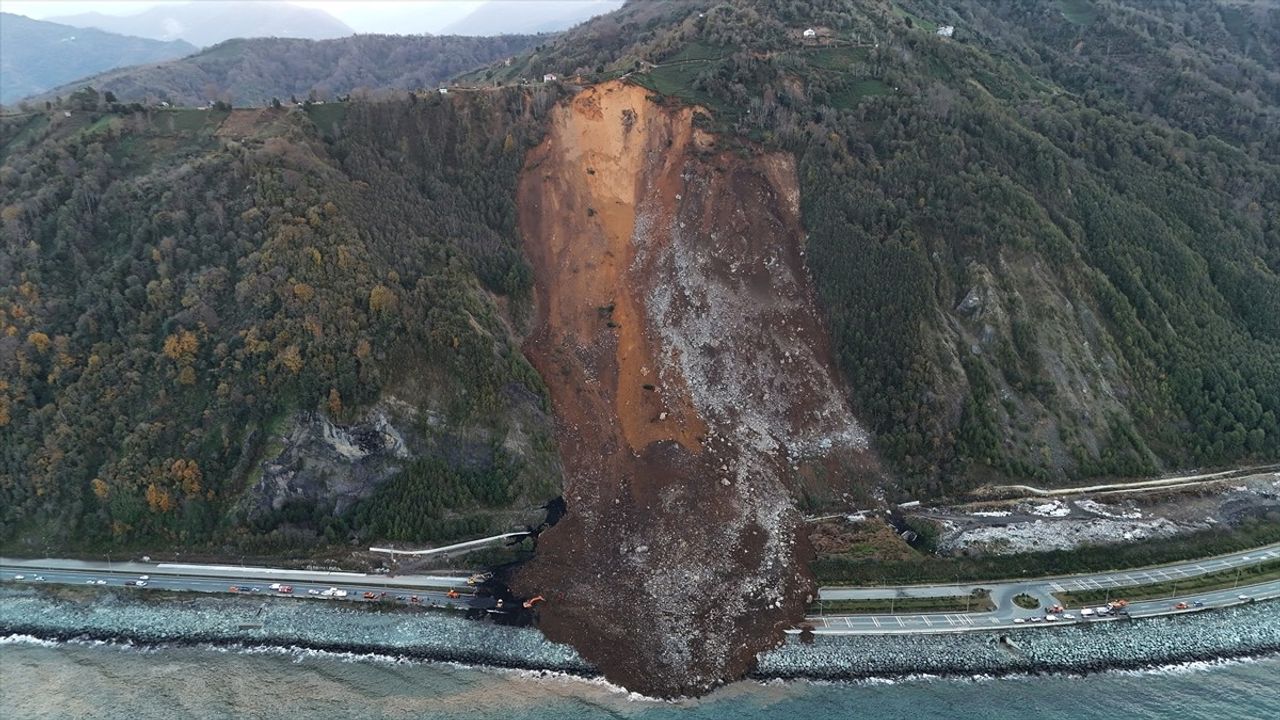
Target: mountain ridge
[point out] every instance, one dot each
(204, 24)
(38, 56)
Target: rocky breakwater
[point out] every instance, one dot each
(691, 385)
(116, 615)
(1243, 630)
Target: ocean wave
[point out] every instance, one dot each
(32, 640)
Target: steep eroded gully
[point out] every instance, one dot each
(690, 381)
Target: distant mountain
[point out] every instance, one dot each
(251, 72)
(36, 55)
(206, 24)
(532, 16)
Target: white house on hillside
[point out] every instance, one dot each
(946, 30)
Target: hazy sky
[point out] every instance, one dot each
(382, 16)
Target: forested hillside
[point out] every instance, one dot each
(1047, 244)
(254, 71)
(180, 288)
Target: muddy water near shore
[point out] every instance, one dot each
(52, 680)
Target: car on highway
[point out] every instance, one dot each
(1198, 603)
(19, 577)
(1051, 618)
(99, 582)
(1244, 598)
(313, 591)
(38, 578)
(1068, 616)
(1019, 621)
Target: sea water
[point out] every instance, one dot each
(81, 679)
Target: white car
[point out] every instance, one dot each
(1051, 618)
(144, 577)
(19, 577)
(313, 591)
(1068, 616)
(38, 577)
(1244, 598)
(99, 582)
(1019, 620)
(274, 586)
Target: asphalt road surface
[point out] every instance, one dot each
(431, 590)
(1088, 581)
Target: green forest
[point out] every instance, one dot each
(169, 295)
(1046, 247)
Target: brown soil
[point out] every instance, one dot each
(691, 386)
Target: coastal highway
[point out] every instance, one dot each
(432, 589)
(429, 589)
(1045, 586)
(1009, 615)
(1004, 617)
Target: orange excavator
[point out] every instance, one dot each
(533, 601)
(452, 594)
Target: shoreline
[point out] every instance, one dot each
(238, 624)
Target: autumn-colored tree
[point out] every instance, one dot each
(381, 298)
(158, 499)
(39, 341)
(181, 346)
(187, 474)
(100, 488)
(291, 359)
(335, 402)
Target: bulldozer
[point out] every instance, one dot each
(533, 601)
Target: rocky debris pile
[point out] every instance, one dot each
(691, 385)
(1057, 534)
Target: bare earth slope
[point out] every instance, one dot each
(691, 385)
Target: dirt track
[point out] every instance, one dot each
(690, 383)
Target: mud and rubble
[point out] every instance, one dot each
(691, 385)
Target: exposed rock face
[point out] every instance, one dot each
(690, 381)
(334, 465)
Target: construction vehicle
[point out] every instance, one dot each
(370, 596)
(533, 601)
(452, 594)
(1118, 604)
(478, 578)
